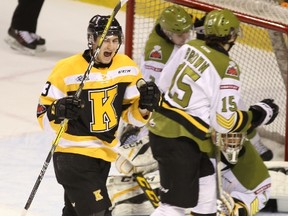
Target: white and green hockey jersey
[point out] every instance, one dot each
(158, 51)
(202, 90)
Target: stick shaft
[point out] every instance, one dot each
(218, 166)
(147, 189)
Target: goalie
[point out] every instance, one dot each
(245, 179)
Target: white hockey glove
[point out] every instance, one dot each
(225, 205)
(264, 112)
(124, 166)
(136, 158)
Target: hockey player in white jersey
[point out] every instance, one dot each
(171, 31)
(202, 91)
(250, 191)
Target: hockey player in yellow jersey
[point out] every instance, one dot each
(86, 149)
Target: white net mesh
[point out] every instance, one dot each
(267, 9)
(261, 53)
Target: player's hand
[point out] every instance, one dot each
(124, 166)
(264, 112)
(67, 108)
(225, 205)
(136, 158)
(149, 95)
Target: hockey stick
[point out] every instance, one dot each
(147, 189)
(77, 95)
(218, 166)
(140, 179)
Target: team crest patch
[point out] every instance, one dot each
(232, 70)
(156, 53)
(41, 109)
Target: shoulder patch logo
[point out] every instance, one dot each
(232, 70)
(41, 109)
(156, 53)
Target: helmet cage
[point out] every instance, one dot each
(230, 145)
(97, 26)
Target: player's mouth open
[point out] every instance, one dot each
(107, 54)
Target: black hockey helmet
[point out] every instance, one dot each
(97, 25)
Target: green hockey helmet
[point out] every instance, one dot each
(175, 19)
(221, 24)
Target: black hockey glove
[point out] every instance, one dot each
(67, 107)
(149, 95)
(264, 112)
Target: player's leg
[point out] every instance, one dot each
(68, 209)
(22, 31)
(179, 165)
(84, 181)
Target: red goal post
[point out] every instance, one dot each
(262, 53)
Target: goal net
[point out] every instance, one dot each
(261, 53)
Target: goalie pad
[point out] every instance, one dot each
(278, 171)
(128, 198)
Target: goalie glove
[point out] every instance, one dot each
(125, 167)
(264, 112)
(136, 158)
(225, 205)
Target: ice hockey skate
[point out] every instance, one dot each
(25, 42)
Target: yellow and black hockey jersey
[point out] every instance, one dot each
(108, 94)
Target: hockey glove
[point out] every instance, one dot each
(136, 158)
(67, 107)
(149, 95)
(125, 167)
(225, 205)
(264, 112)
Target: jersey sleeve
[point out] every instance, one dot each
(228, 113)
(157, 53)
(53, 89)
(132, 114)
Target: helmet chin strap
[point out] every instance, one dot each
(228, 46)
